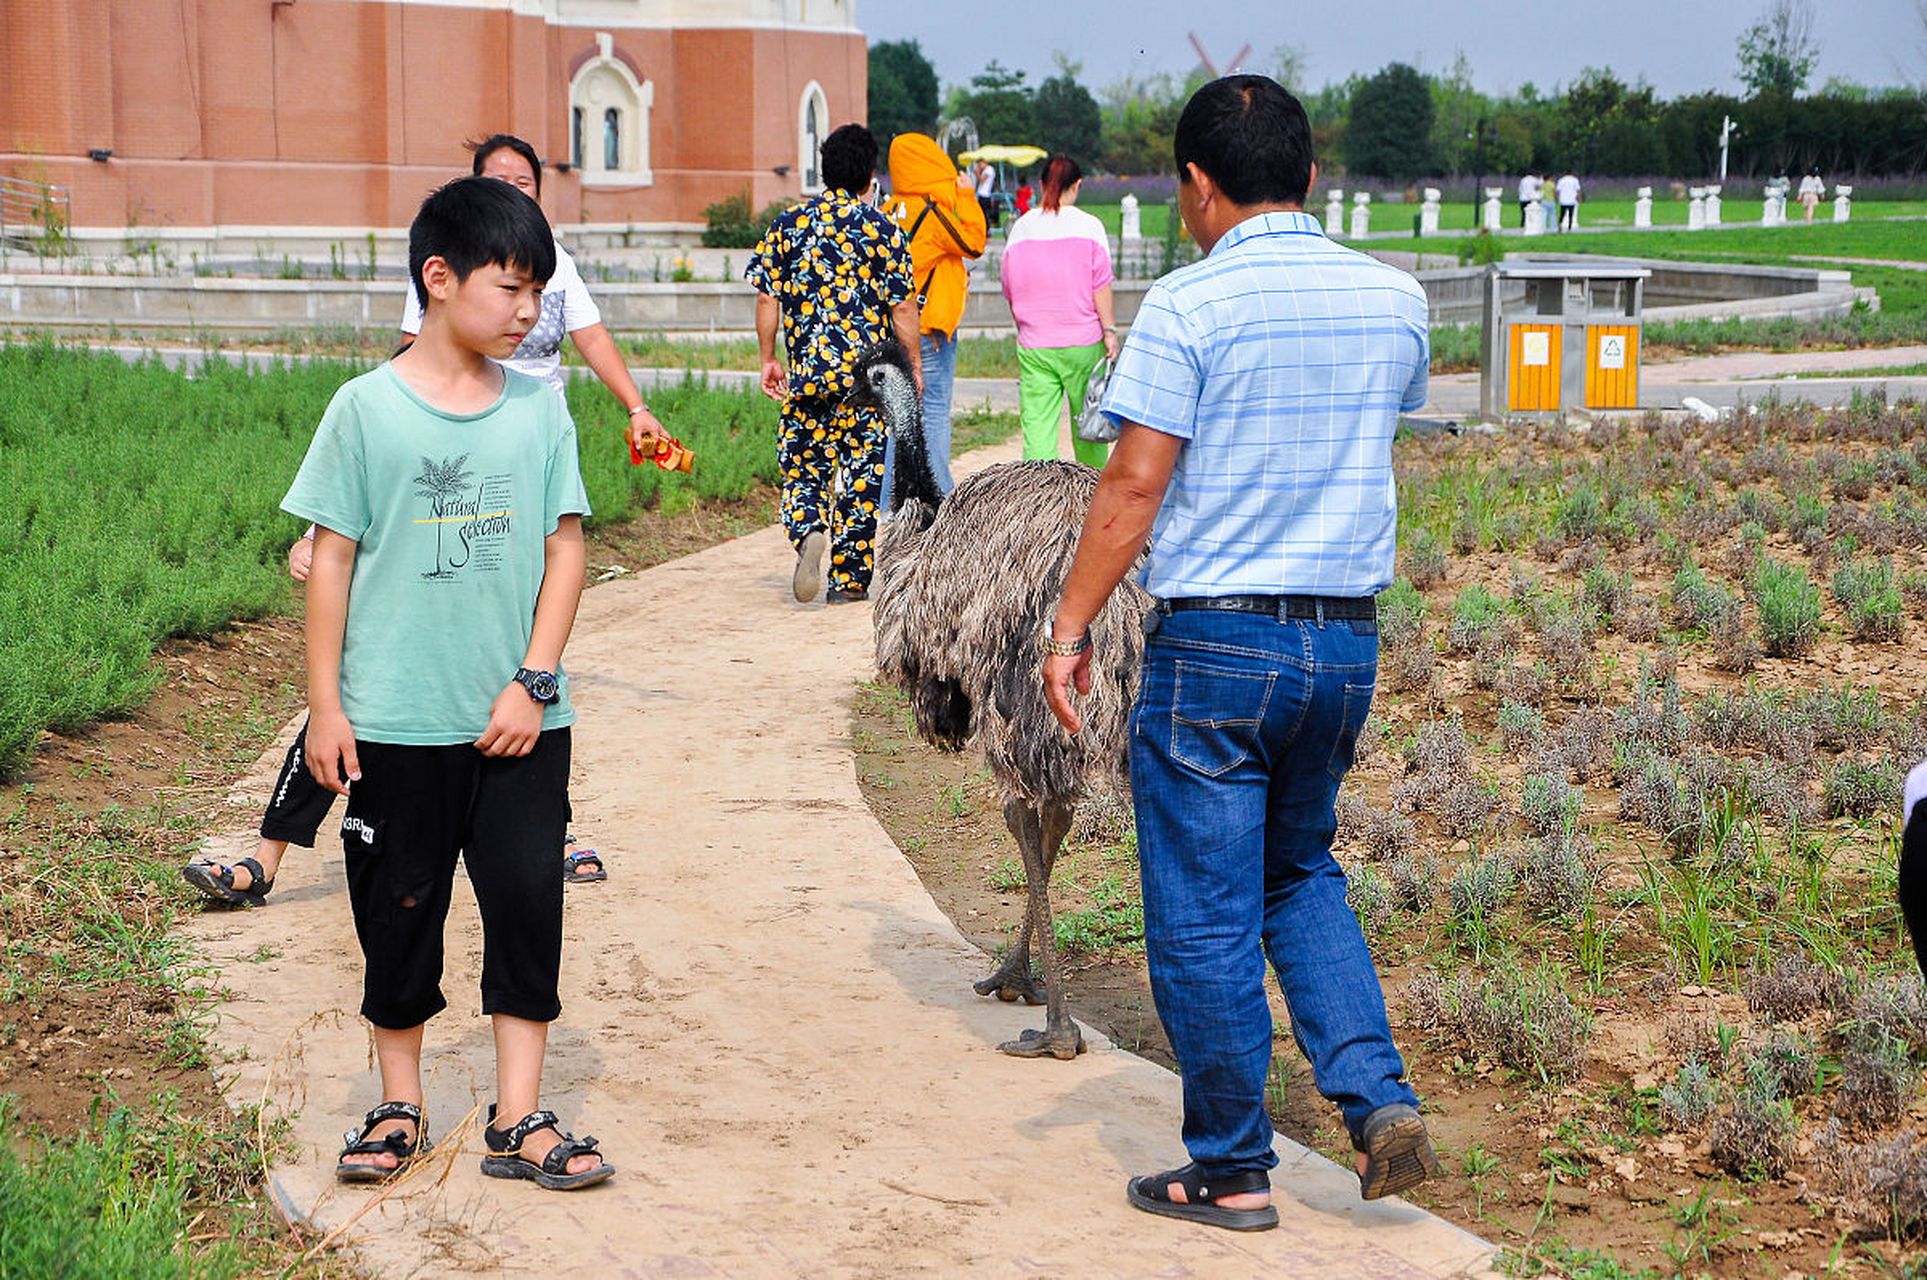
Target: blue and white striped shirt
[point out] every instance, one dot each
(1283, 361)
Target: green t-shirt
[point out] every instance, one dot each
(450, 511)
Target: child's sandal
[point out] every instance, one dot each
(215, 880)
(393, 1143)
(505, 1158)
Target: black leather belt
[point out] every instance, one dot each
(1344, 608)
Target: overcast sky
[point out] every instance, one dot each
(1679, 46)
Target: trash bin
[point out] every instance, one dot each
(1559, 335)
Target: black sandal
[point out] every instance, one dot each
(1151, 1193)
(393, 1143)
(572, 864)
(505, 1158)
(215, 880)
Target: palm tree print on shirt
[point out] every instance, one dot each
(441, 483)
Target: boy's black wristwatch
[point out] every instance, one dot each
(541, 685)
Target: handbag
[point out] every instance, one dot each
(1093, 425)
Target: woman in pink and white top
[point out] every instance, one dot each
(1057, 276)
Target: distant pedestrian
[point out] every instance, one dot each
(1530, 188)
(1257, 398)
(939, 214)
(1056, 275)
(1812, 188)
(1568, 192)
(835, 273)
(987, 194)
(1026, 195)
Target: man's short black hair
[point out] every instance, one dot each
(506, 142)
(1251, 136)
(850, 159)
(474, 222)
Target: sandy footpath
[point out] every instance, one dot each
(766, 1020)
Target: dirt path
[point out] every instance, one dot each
(767, 1020)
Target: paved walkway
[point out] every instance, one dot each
(766, 1019)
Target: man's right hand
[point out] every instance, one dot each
(301, 557)
(776, 383)
(331, 751)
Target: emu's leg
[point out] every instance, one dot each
(1014, 979)
(1060, 1037)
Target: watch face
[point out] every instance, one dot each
(543, 686)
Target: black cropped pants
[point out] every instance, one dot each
(415, 810)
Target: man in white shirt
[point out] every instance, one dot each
(1529, 191)
(1568, 192)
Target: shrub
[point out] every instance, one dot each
(1550, 804)
(1697, 599)
(1425, 561)
(1860, 789)
(1791, 989)
(1688, 1099)
(1476, 614)
(1414, 880)
(1882, 1185)
(1519, 726)
(1481, 886)
(1788, 1060)
(1383, 835)
(1370, 898)
(1867, 591)
(1467, 809)
(1789, 606)
(734, 225)
(1556, 876)
(1877, 1078)
(1736, 649)
(1401, 612)
(1753, 1139)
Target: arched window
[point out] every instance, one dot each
(812, 123)
(606, 92)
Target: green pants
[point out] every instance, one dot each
(1044, 377)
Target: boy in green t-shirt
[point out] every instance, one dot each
(448, 563)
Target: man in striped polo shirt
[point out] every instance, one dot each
(1257, 395)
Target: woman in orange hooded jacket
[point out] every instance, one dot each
(937, 208)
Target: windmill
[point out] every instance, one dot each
(1235, 65)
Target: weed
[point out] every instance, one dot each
(1789, 606)
(1006, 877)
(1113, 920)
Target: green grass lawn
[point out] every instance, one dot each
(1456, 212)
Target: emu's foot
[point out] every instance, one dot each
(1010, 984)
(1062, 1045)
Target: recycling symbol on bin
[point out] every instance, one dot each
(1612, 352)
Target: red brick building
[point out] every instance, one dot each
(342, 114)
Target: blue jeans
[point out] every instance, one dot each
(1243, 727)
(939, 373)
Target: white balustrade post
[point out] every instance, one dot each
(1129, 220)
(1713, 206)
(1428, 213)
(1361, 215)
(1335, 214)
(1643, 207)
(1489, 213)
(1842, 202)
(1696, 210)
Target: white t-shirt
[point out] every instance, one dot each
(1568, 189)
(1529, 188)
(987, 181)
(566, 307)
(1812, 186)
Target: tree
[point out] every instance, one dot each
(1778, 52)
(1389, 134)
(1001, 104)
(903, 91)
(1067, 119)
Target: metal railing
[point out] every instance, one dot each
(33, 211)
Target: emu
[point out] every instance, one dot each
(963, 587)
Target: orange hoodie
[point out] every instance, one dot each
(923, 177)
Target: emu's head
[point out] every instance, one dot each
(883, 381)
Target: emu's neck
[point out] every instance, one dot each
(912, 477)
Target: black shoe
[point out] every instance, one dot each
(855, 595)
(1398, 1152)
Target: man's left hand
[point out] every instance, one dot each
(1061, 675)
